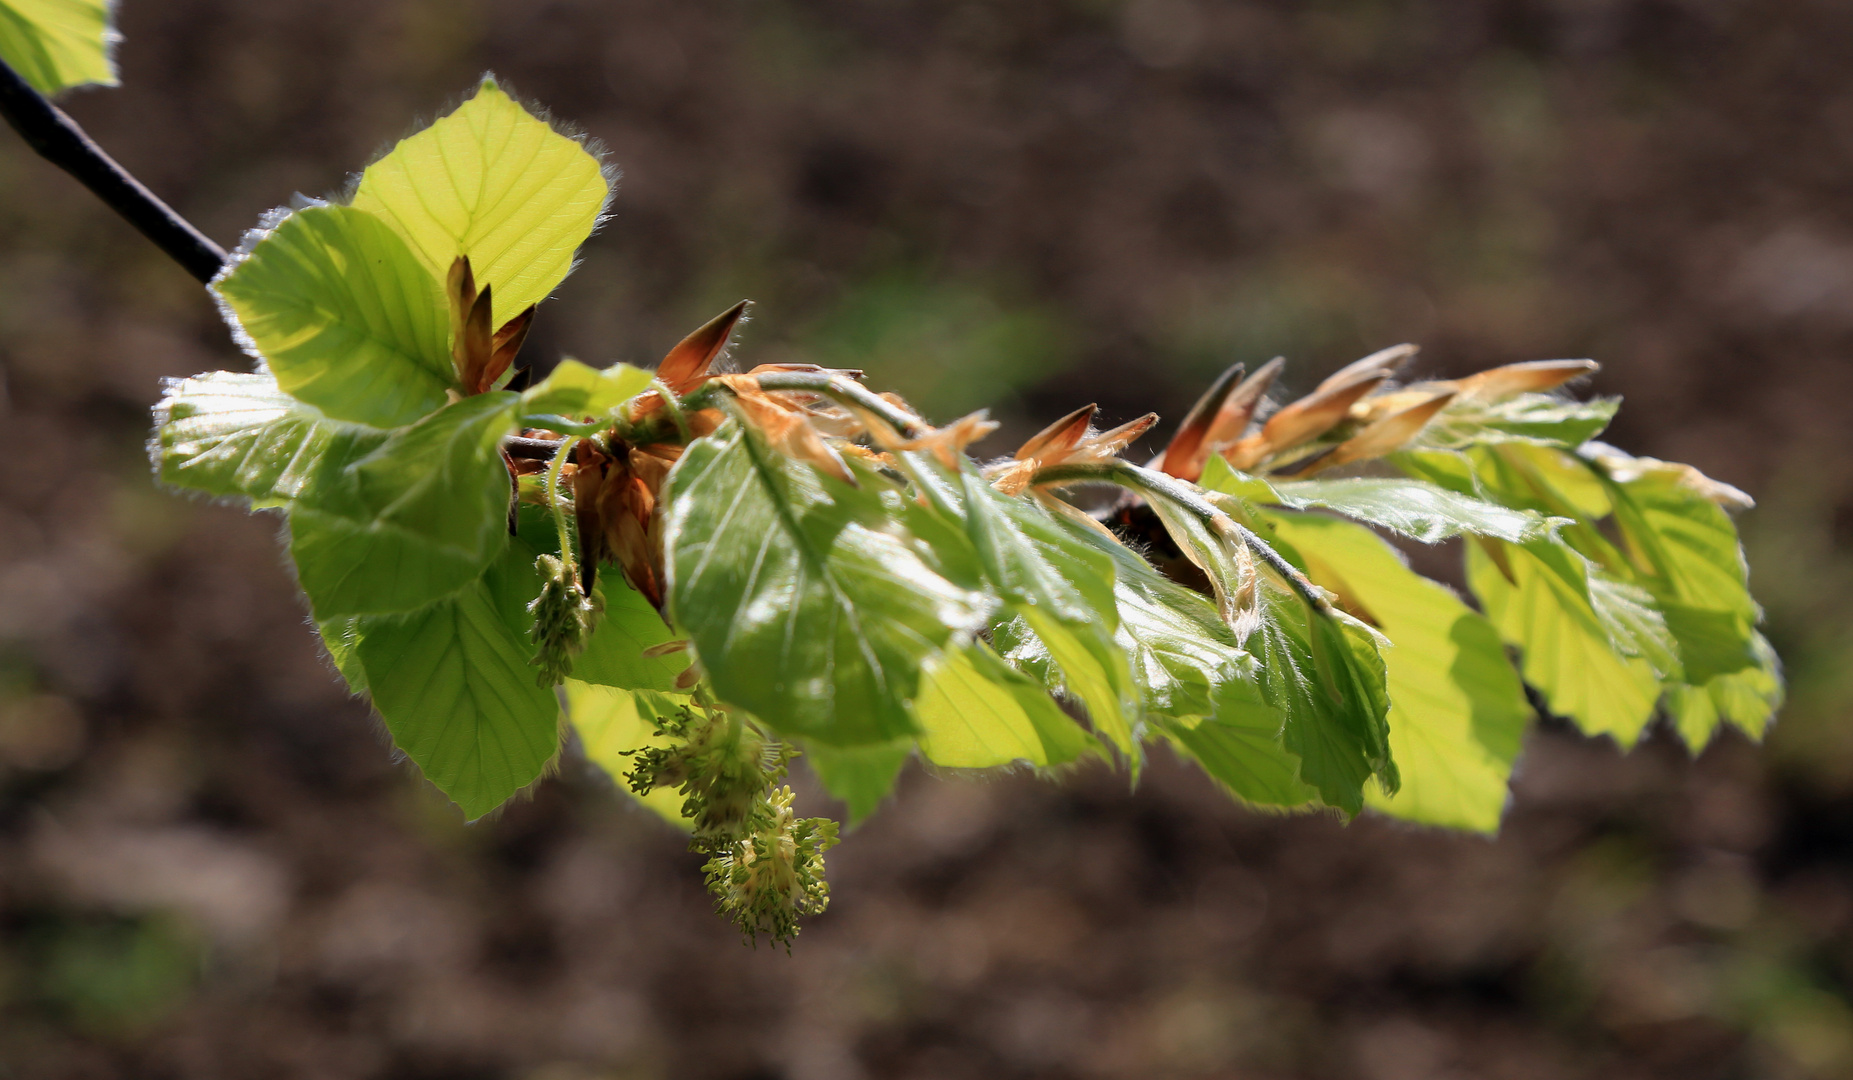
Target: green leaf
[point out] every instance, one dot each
(614, 654)
(574, 389)
(1525, 418)
(1239, 746)
(397, 524)
(56, 44)
(1060, 586)
(341, 637)
(337, 307)
(1324, 674)
(1413, 508)
(453, 683)
(804, 603)
(859, 776)
(975, 712)
(1544, 610)
(610, 723)
(229, 433)
(496, 183)
(1457, 709)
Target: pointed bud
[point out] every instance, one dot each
(1534, 377)
(1384, 436)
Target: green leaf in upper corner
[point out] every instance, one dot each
(575, 389)
(340, 311)
(236, 434)
(57, 44)
(804, 601)
(341, 637)
(614, 654)
(496, 183)
(1525, 418)
(1061, 587)
(975, 712)
(610, 723)
(1457, 709)
(1568, 652)
(859, 776)
(396, 524)
(453, 683)
(1413, 508)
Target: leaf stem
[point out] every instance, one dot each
(59, 140)
(557, 505)
(1150, 483)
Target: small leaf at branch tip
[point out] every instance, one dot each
(1304, 420)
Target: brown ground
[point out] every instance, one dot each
(209, 866)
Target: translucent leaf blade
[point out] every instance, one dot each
(610, 723)
(496, 183)
(1457, 709)
(452, 682)
(343, 315)
(235, 434)
(574, 389)
(58, 44)
(976, 712)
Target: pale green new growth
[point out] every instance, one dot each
(730, 566)
(56, 44)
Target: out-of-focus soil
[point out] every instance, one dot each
(211, 867)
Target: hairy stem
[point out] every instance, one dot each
(557, 504)
(59, 140)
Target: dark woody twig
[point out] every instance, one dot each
(60, 141)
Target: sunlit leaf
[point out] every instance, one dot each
(1239, 746)
(1413, 508)
(332, 301)
(611, 722)
(453, 683)
(975, 711)
(341, 637)
(573, 389)
(55, 44)
(234, 434)
(860, 776)
(1533, 418)
(409, 519)
(1566, 649)
(496, 183)
(802, 603)
(1457, 710)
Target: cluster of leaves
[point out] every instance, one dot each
(705, 563)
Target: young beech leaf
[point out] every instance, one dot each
(1323, 672)
(804, 602)
(55, 44)
(975, 711)
(335, 305)
(614, 656)
(1567, 651)
(1457, 710)
(574, 389)
(1542, 419)
(1060, 587)
(859, 776)
(453, 683)
(496, 183)
(341, 637)
(234, 434)
(1197, 685)
(1413, 508)
(611, 723)
(395, 524)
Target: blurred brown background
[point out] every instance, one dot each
(210, 866)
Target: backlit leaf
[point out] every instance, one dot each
(975, 711)
(55, 44)
(234, 434)
(337, 307)
(453, 683)
(1457, 710)
(496, 183)
(860, 776)
(610, 722)
(574, 389)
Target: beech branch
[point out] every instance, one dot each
(59, 140)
